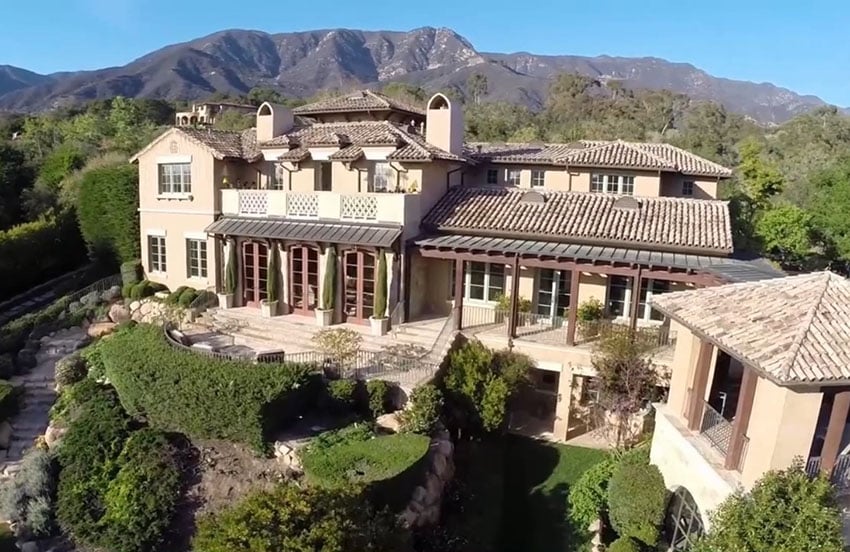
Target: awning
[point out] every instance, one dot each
(373, 235)
(727, 268)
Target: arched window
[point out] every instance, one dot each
(439, 101)
(265, 109)
(683, 522)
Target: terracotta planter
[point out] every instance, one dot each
(268, 308)
(324, 318)
(380, 326)
(225, 301)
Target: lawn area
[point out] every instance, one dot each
(537, 484)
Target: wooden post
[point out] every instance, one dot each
(458, 308)
(635, 300)
(834, 431)
(742, 419)
(572, 319)
(512, 314)
(699, 385)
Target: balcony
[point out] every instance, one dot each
(364, 207)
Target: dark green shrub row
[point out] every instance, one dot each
(117, 487)
(13, 335)
(182, 296)
(372, 398)
(34, 252)
(177, 390)
(107, 209)
(131, 272)
(27, 500)
(636, 499)
(142, 289)
(423, 414)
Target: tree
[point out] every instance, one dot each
(15, 177)
(786, 511)
(760, 179)
(234, 120)
(786, 232)
(300, 519)
(626, 379)
(258, 95)
(108, 213)
(130, 132)
(408, 93)
(829, 205)
(476, 87)
(636, 500)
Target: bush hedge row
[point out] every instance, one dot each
(178, 390)
(107, 209)
(24, 261)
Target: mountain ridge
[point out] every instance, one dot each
(303, 63)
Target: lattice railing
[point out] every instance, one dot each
(253, 202)
(359, 207)
(302, 205)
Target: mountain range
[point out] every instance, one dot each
(303, 63)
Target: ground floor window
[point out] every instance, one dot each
(553, 292)
(620, 297)
(481, 281)
(196, 258)
(156, 253)
(683, 523)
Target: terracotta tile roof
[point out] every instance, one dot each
(660, 222)
(348, 153)
(362, 100)
(221, 144)
(411, 145)
(794, 329)
(588, 153)
(295, 154)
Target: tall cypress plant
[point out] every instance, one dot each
(230, 271)
(273, 275)
(380, 306)
(329, 284)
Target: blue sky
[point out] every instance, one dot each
(803, 46)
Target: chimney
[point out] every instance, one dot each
(444, 126)
(273, 120)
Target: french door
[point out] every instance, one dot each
(304, 278)
(553, 293)
(255, 267)
(359, 277)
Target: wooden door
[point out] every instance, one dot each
(359, 278)
(304, 278)
(255, 267)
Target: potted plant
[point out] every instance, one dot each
(268, 306)
(588, 315)
(325, 314)
(379, 321)
(225, 300)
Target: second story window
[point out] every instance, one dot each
(277, 180)
(492, 176)
(382, 176)
(175, 178)
(512, 177)
(538, 178)
(688, 188)
(324, 176)
(612, 184)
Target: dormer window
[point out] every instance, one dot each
(512, 177)
(612, 184)
(688, 188)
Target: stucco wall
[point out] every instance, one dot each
(704, 187)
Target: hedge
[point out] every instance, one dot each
(10, 397)
(24, 258)
(636, 500)
(108, 215)
(177, 390)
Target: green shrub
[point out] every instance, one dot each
(423, 414)
(174, 297)
(94, 361)
(379, 307)
(290, 518)
(186, 298)
(379, 395)
(70, 369)
(590, 310)
(107, 209)
(14, 334)
(624, 544)
(589, 494)
(342, 393)
(127, 290)
(141, 290)
(26, 499)
(7, 366)
(636, 499)
(179, 391)
(141, 500)
(131, 272)
(23, 259)
(10, 399)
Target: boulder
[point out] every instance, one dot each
(5, 435)
(390, 422)
(30, 546)
(119, 313)
(75, 306)
(90, 299)
(146, 308)
(281, 449)
(100, 329)
(111, 294)
(53, 435)
(134, 306)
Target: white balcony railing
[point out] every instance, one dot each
(366, 207)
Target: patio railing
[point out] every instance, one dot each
(716, 429)
(840, 476)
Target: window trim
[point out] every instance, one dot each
(603, 183)
(643, 317)
(688, 187)
(509, 173)
(542, 180)
(495, 174)
(202, 259)
(386, 172)
(467, 283)
(185, 191)
(162, 253)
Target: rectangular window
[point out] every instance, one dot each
(323, 177)
(512, 177)
(627, 185)
(612, 184)
(278, 177)
(649, 289)
(156, 253)
(688, 188)
(618, 295)
(597, 183)
(484, 281)
(538, 178)
(196, 258)
(175, 178)
(492, 176)
(382, 176)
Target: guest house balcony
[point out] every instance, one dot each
(397, 208)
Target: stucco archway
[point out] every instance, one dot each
(683, 522)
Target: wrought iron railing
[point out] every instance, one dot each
(474, 316)
(438, 348)
(716, 429)
(840, 476)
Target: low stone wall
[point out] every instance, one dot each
(424, 506)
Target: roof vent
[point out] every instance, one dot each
(626, 202)
(533, 197)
